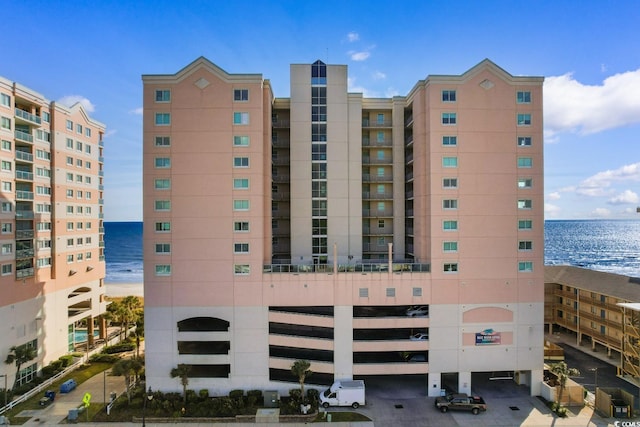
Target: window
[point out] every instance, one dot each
(380, 118)
(162, 183)
(318, 152)
(240, 183)
(163, 95)
(79, 128)
(70, 143)
(318, 113)
(240, 205)
(525, 224)
(523, 97)
(163, 248)
(381, 206)
(79, 241)
(163, 119)
(240, 248)
(87, 256)
(525, 245)
(241, 269)
(87, 132)
(380, 136)
(525, 162)
(163, 162)
(241, 94)
(162, 205)
(450, 162)
(163, 141)
(78, 178)
(88, 226)
(524, 119)
(241, 226)
(69, 161)
(319, 208)
(87, 163)
(524, 204)
(450, 225)
(79, 256)
(5, 100)
(524, 141)
(163, 270)
(391, 292)
(240, 118)
(318, 171)
(525, 182)
(78, 145)
(450, 246)
(69, 125)
(43, 135)
(44, 226)
(69, 242)
(7, 269)
(450, 267)
(448, 118)
(87, 148)
(79, 225)
(6, 186)
(46, 117)
(450, 204)
(7, 207)
(318, 73)
(6, 166)
(240, 162)
(69, 209)
(363, 292)
(69, 193)
(79, 163)
(240, 141)
(7, 248)
(450, 140)
(450, 182)
(43, 191)
(44, 244)
(7, 228)
(525, 266)
(319, 189)
(417, 292)
(43, 262)
(319, 227)
(5, 123)
(42, 155)
(448, 96)
(318, 132)
(43, 208)
(163, 226)
(70, 226)
(381, 223)
(6, 145)
(87, 179)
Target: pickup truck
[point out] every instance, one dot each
(461, 402)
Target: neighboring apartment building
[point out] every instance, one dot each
(601, 309)
(332, 227)
(51, 237)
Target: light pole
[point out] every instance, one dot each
(148, 396)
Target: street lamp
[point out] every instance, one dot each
(148, 396)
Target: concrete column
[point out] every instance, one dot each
(434, 384)
(343, 342)
(102, 325)
(464, 382)
(90, 331)
(536, 382)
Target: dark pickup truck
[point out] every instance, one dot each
(461, 402)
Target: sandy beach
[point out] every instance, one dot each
(124, 289)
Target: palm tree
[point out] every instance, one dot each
(126, 368)
(20, 355)
(563, 372)
(132, 308)
(116, 312)
(182, 371)
(300, 369)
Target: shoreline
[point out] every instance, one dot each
(124, 289)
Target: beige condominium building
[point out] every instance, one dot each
(370, 236)
(51, 236)
(601, 309)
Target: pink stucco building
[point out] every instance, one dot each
(51, 227)
(332, 227)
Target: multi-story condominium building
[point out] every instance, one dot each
(601, 309)
(52, 260)
(370, 236)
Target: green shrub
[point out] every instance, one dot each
(66, 360)
(119, 348)
(236, 394)
(313, 397)
(254, 398)
(48, 371)
(56, 365)
(204, 393)
(105, 358)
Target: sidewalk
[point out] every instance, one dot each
(570, 340)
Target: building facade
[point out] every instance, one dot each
(52, 260)
(370, 236)
(601, 309)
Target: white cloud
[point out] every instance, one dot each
(553, 196)
(551, 210)
(601, 212)
(598, 184)
(625, 198)
(570, 106)
(71, 100)
(351, 81)
(136, 111)
(378, 75)
(359, 56)
(353, 36)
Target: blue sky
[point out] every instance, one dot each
(96, 52)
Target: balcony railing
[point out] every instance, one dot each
(101, 159)
(24, 195)
(24, 136)
(367, 160)
(377, 196)
(280, 123)
(367, 142)
(376, 178)
(22, 155)
(375, 123)
(28, 116)
(346, 268)
(24, 175)
(25, 253)
(24, 214)
(24, 234)
(24, 272)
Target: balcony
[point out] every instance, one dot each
(280, 161)
(24, 234)
(24, 195)
(100, 143)
(367, 160)
(27, 117)
(280, 123)
(24, 156)
(24, 175)
(376, 178)
(377, 196)
(367, 142)
(25, 253)
(376, 213)
(101, 187)
(24, 273)
(366, 123)
(101, 201)
(24, 214)
(101, 159)
(24, 136)
(280, 142)
(100, 173)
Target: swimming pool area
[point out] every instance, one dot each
(80, 335)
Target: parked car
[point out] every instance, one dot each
(418, 311)
(420, 336)
(461, 402)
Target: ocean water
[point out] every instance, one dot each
(603, 245)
